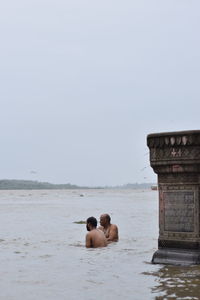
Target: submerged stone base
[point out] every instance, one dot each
(169, 256)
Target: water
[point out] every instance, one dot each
(43, 254)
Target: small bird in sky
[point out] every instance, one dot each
(33, 172)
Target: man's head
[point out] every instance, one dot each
(91, 223)
(105, 220)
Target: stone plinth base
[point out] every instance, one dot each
(176, 257)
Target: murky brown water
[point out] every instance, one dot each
(43, 254)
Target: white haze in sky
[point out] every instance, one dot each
(84, 82)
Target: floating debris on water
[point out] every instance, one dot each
(80, 222)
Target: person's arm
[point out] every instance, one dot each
(113, 234)
(88, 241)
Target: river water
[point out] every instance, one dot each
(43, 254)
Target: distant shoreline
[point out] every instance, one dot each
(14, 184)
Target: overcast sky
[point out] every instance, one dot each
(83, 83)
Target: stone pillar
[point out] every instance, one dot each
(175, 158)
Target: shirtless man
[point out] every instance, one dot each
(110, 230)
(95, 237)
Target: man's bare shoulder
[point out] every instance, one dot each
(113, 233)
(100, 228)
(98, 232)
(95, 232)
(113, 227)
(89, 235)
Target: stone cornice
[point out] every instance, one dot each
(172, 139)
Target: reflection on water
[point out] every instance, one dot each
(176, 282)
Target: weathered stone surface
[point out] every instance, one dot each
(175, 157)
(179, 211)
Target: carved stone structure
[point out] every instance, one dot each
(175, 158)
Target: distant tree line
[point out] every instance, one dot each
(33, 185)
(14, 184)
(136, 186)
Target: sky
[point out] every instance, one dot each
(83, 82)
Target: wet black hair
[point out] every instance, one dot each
(92, 221)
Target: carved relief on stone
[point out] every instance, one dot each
(172, 178)
(179, 211)
(173, 153)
